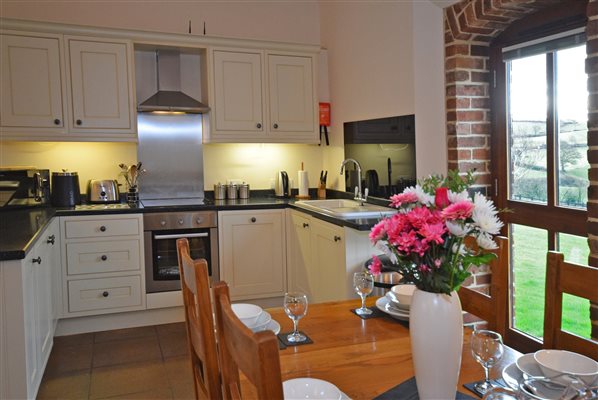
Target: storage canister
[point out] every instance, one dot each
(219, 191)
(65, 189)
(244, 190)
(231, 191)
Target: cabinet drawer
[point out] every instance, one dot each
(104, 256)
(104, 293)
(101, 228)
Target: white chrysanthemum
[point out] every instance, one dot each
(382, 245)
(485, 215)
(459, 248)
(458, 228)
(486, 242)
(482, 205)
(457, 197)
(423, 197)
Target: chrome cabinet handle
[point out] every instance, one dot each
(51, 239)
(37, 260)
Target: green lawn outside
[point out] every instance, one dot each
(529, 277)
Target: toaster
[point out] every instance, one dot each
(103, 191)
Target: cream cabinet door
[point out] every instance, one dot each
(238, 93)
(32, 85)
(301, 277)
(101, 94)
(291, 91)
(252, 253)
(328, 261)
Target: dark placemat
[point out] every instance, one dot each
(496, 382)
(283, 338)
(281, 345)
(408, 391)
(376, 313)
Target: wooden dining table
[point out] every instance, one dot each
(363, 357)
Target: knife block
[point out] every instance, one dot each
(322, 191)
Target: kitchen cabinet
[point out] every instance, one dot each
(61, 88)
(263, 96)
(252, 253)
(103, 264)
(27, 326)
(324, 256)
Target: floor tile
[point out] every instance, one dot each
(73, 385)
(122, 334)
(73, 340)
(174, 328)
(126, 351)
(180, 377)
(120, 380)
(64, 359)
(156, 394)
(174, 344)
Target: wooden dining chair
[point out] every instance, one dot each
(571, 278)
(253, 354)
(199, 320)
(494, 307)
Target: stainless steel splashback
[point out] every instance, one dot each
(170, 148)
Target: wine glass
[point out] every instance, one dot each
(295, 306)
(363, 282)
(487, 349)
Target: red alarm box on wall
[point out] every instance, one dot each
(324, 114)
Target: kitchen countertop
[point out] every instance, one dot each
(19, 228)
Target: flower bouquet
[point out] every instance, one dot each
(425, 239)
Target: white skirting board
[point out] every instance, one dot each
(97, 323)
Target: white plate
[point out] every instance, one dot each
(262, 322)
(528, 365)
(512, 375)
(384, 305)
(393, 301)
(310, 388)
(274, 327)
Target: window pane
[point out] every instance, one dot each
(528, 251)
(527, 104)
(576, 310)
(572, 101)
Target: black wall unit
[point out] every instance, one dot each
(399, 129)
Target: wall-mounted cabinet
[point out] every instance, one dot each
(59, 88)
(263, 96)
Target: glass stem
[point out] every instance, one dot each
(362, 301)
(295, 324)
(486, 373)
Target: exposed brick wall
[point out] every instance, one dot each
(470, 25)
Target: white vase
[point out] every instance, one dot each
(436, 330)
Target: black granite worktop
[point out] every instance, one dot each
(19, 228)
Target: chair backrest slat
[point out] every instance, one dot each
(199, 320)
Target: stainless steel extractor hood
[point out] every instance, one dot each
(169, 96)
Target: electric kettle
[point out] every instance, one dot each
(282, 188)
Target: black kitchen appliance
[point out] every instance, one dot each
(65, 189)
(282, 188)
(24, 187)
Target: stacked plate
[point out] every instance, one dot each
(255, 318)
(397, 301)
(310, 388)
(548, 386)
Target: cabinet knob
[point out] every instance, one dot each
(305, 225)
(104, 257)
(259, 125)
(105, 294)
(56, 121)
(253, 219)
(51, 239)
(37, 260)
(103, 228)
(79, 122)
(181, 221)
(337, 238)
(275, 126)
(198, 221)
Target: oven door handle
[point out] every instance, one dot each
(181, 235)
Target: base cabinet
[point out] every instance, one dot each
(28, 315)
(252, 253)
(322, 257)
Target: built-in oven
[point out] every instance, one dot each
(161, 231)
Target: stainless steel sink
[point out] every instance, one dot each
(342, 208)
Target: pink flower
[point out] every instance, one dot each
(419, 216)
(441, 198)
(433, 232)
(376, 266)
(420, 247)
(437, 262)
(378, 231)
(406, 241)
(424, 268)
(460, 210)
(399, 199)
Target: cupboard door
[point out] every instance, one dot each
(291, 89)
(31, 82)
(301, 277)
(238, 91)
(252, 253)
(328, 261)
(100, 87)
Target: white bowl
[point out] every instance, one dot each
(247, 313)
(310, 388)
(556, 362)
(403, 293)
(262, 322)
(528, 365)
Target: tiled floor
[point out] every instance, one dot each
(137, 363)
